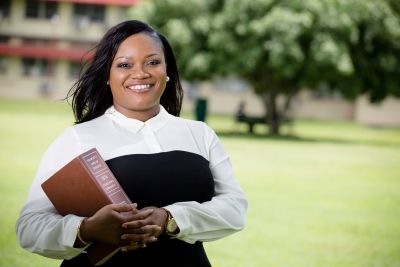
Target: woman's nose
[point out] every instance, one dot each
(139, 73)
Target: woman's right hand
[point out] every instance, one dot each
(105, 225)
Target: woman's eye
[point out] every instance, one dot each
(154, 62)
(123, 65)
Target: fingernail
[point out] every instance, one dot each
(124, 249)
(124, 237)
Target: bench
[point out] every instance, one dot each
(252, 120)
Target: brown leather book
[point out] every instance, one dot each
(82, 187)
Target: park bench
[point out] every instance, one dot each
(251, 121)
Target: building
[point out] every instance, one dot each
(43, 42)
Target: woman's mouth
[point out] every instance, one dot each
(139, 87)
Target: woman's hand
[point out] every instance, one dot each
(144, 228)
(105, 225)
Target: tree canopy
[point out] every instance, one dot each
(281, 47)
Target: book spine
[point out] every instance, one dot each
(98, 253)
(104, 177)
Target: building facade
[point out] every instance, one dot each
(42, 43)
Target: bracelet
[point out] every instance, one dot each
(78, 234)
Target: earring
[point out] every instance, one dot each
(167, 78)
(108, 82)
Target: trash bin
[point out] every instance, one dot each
(201, 109)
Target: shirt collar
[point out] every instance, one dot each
(134, 125)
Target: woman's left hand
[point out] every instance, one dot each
(142, 231)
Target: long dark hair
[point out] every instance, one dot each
(91, 96)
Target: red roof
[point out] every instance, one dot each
(101, 2)
(46, 52)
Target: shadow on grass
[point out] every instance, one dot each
(297, 138)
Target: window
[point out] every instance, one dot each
(74, 69)
(5, 8)
(35, 67)
(91, 13)
(323, 91)
(4, 39)
(40, 10)
(3, 65)
(35, 41)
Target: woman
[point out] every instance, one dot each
(126, 105)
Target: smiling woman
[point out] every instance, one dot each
(92, 95)
(175, 171)
(137, 76)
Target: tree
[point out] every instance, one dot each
(282, 47)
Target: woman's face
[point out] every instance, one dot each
(138, 77)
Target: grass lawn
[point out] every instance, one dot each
(328, 195)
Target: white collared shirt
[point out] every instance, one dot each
(42, 230)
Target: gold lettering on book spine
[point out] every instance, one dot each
(104, 177)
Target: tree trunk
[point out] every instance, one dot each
(272, 118)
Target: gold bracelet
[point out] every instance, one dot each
(78, 233)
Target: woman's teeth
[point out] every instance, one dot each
(139, 87)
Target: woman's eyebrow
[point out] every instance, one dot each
(128, 57)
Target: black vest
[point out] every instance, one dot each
(158, 180)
